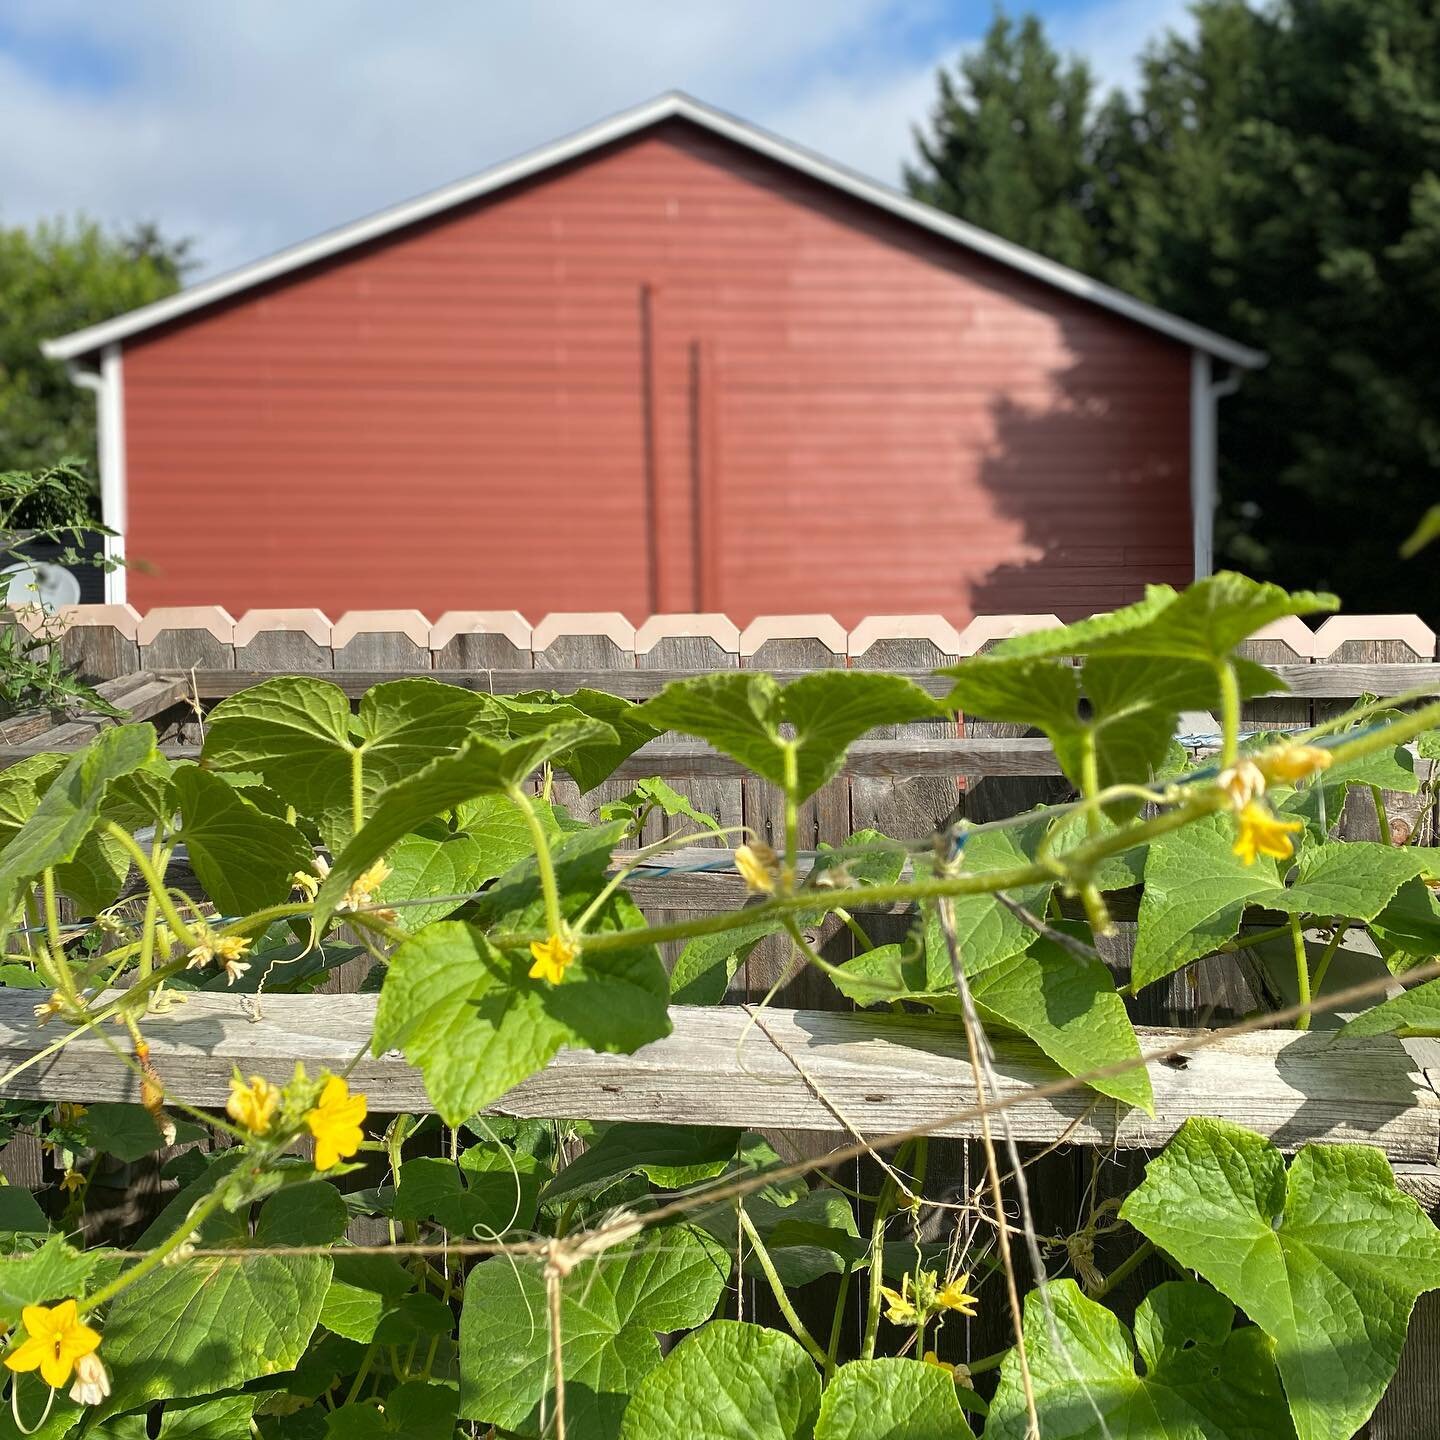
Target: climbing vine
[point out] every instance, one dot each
(321, 1269)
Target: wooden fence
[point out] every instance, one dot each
(861, 1073)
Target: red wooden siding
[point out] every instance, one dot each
(483, 412)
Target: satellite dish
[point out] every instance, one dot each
(38, 582)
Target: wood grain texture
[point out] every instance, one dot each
(1320, 680)
(140, 695)
(481, 652)
(274, 652)
(732, 1065)
(181, 648)
(99, 652)
(381, 650)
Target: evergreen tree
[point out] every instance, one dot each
(1008, 144)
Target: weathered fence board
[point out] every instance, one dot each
(805, 1070)
(1319, 680)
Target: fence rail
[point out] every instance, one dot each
(810, 1070)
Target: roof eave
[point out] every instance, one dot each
(95, 337)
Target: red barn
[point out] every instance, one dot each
(670, 363)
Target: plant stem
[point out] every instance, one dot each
(1090, 782)
(1328, 954)
(156, 885)
(1229, 713)
(543, 862)
(63, 977)
(792, 817)
(1082, 858)
(194, 1219)
(837, 1323)
(1382, 818)
(855, 928)
(1302, 970)
(360, 1375)
(1245, 942)
(809, 951)
(987, 1362)
(796, 1324)
(883, 1208)
(357, 790)
(1127, 1266)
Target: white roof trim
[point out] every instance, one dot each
(617, 127)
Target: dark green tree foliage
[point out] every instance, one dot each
(54, 279)
(1277, 177)
(1009, 146)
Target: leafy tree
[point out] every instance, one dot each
(56, 278)
(1009, 147)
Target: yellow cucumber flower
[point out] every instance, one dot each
(225, 949)
(308, 882)
(335, 1123)
(362, 893)
(1289, 763)
(759, 865)
(931, 1358)
(56, 1339)
(1260, 833)
(900, 1308)
(953, 1296)
(553, 957)
(252, 1106)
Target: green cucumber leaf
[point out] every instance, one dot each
(210, 1325)
(891, 1400)
(1128, 724)
(741, 713)
(612, 1308)
(1328, 1259)
(297, 733)
(54, 1272)
(726, 1381)
(1196, 890)
(593, 763)
(1407, 930)
(1204, 622)
(476, 1024)
(310, 1213)
(244, 858)
(1199, 1378)
(1066, 1006)
(669, 801)
(421, 867)
(670, 1156)
(708, 962)
(480, 766)
(70, 808)
(1416, 1012)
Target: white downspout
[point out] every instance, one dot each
(1205, 396)
(108, 383)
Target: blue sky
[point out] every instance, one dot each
(251, 124)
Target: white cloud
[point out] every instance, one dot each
(251, 126)
(1111, 34)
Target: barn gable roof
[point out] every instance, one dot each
(618, 127)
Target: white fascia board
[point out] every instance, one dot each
(618, 127)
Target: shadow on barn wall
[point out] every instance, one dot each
(1099, 480)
